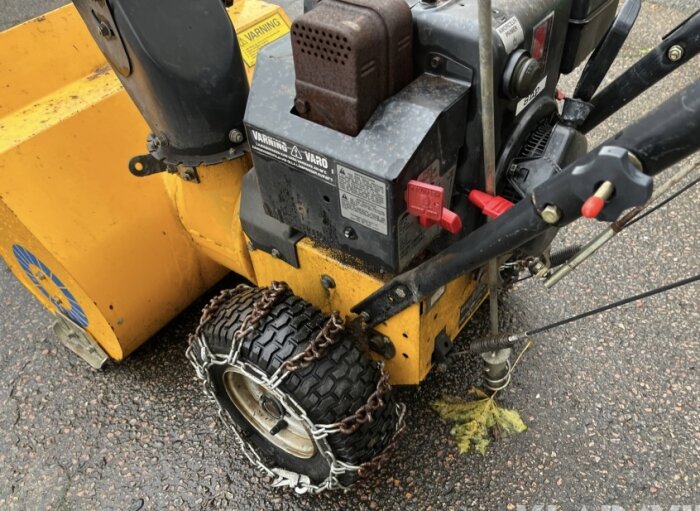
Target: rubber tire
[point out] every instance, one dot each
(329, 389)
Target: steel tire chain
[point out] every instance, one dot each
(326, 337)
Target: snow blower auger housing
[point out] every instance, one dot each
(344, 183)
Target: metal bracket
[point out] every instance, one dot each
(146, 165)
(79, 341)
(162, 158)
(443, 350)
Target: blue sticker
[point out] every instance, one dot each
(68, 304)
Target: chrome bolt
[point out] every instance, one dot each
(350, 233)
(400, 292)
(675, 53)
(551, 214)
(275, 253)
(235, 136)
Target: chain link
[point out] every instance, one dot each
(328, 336)
(363, 414)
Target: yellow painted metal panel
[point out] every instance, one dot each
(43, 55)
(210, 211)
(118, 236)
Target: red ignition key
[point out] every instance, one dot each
(427, 201)
(492, 206)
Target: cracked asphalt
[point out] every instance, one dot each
(612, 403)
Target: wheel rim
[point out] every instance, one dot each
(262, 410)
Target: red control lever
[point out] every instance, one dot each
(427, 201)
(490, 205)
(596, 202)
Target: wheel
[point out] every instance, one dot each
(293, 418)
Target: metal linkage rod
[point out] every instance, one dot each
(509, 340)
(677, 48)
(496, 366)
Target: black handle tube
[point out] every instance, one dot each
(667, 134)
(646, 72)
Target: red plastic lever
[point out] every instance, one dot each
(592, 207)
(596, 202)
(492, 206)
(427, 201)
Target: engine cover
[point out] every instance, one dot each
(343, 183)
(347, 192)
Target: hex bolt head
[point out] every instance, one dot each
(675, 53)
(435, 62)
(160, 141)
(350, 233)
(236, 136)
(400, 292)
(275, 253)
(104, 29)
(189, 174)
(301, 105)
(551, 214)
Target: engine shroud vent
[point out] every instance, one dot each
(536, 143)
(349, 56)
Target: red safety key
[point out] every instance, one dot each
(492, 206)
(427, 201)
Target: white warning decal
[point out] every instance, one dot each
(362, 199)
(528, 99)
(294, 155)
(511, 33)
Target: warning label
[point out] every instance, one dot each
(293, 155)
(362, 199)
(511, 33)
(255, 37)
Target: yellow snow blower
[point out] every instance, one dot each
(344, 165)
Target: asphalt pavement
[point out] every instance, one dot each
(612, 403)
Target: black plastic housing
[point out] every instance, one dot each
(184, 71)
(589, 21)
